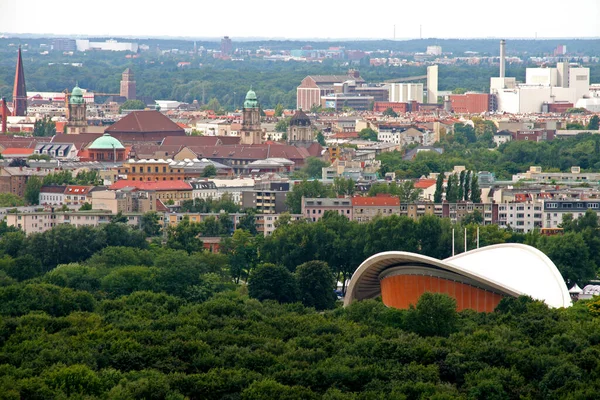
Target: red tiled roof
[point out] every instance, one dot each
(379, 201)
(151, 185)
(200, 140)
(52, 189)
(17, 151)
(160, 206)
(424, 183)
(251, 152)
(150, 121)
(345, 135)
(78, 189)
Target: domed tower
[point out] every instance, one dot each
(300, 132)
(251, 132)
(77, 112)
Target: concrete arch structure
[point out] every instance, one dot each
(477, 279)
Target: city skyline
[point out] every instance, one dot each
(269, 20)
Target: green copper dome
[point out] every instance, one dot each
(106, 142)
(77, 96)
(251, 100)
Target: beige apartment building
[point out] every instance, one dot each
(38, 222)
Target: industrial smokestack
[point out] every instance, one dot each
(4, 110)
(502, 58)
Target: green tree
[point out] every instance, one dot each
(278, 110)
(305, 189)
(468, 190)
(132, 105)
(85, 207)
(209, 171)
(452, 189)
(185, 236)
(407, 192)
(321, 139)
(473, 218)
(316, 285)
(344, 187)
(434, 315)
(314, 167)
(475, 191)
(389, 112)
(368, 134)
(594, 123)
(32, 190)
(439, 188)
(461, 186)
(10, 200)
(44, 127)
(242, 252)
(272, 282)
(150, 224)
(248, 221)
(282, 125)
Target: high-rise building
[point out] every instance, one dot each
(251, 132)
(128, 85)
(19, 90)
(226, 46)
(432, 84)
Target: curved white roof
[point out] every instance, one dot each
(513, 269)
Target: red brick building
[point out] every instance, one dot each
(313, 87)
(400, 108)
(470, 103)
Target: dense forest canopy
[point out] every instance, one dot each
(100, 313)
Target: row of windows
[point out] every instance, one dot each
(570, 205)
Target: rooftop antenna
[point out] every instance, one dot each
(420, 31)
(394, 31)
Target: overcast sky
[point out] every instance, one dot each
(320, 19)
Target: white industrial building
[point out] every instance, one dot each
(563, 83)
(406, 92)
(109, 45)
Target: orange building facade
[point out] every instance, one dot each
(400, 291)
(151, 170)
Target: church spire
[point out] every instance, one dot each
(19, 91)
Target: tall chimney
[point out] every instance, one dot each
(502, 58)
(4, 110)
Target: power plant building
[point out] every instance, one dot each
(543, 86)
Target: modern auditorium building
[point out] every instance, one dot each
(477, 279)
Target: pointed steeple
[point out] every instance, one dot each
(19, 91)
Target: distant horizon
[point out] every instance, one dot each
(324, 21)
(9, 35)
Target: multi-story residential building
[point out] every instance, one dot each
(52, 195)
(418, 210)
(204, 190)
(37, 222)
(314, 208)
(77, 194)
(126, 200)
(173, 219)
(166, 191)
(14, 179)
(265, 201)
(266, 223)
(152, 170)
(457, 211)
(554, 210)
(364, 209)
(522, 216)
